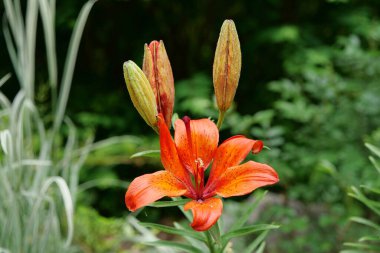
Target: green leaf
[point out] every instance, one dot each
(371, 189)
(352, 251)
(373, 205)
(5, 78)
(369, 238)
(261, 248)
(373, 149)
(191, 240)
(365, 222)
(68, 69)
(176, 245)
(256, 243)
(147, 153)
(188, 215)
(362, 246)
(174, 231)
(248, 211)
(179, 202)
(375, 163)
(248, 230)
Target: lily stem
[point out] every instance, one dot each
(220, 119)
(210, 242)
(215, 244)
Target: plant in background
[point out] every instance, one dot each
(34, 216)
(194, 147)
(368, 195)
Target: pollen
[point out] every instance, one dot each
(199, 162)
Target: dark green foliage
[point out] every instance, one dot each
(369, 196)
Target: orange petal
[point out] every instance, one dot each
(169, 156)
(150, 187)
(231, 153)
(204, 141)
(206, 213)
(245, 178)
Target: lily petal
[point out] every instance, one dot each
(231, 153)
(245, 178)
(204, 141)
(148, 188)
(206, 213)
(169, 156)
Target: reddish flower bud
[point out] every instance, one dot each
(156, 66)
(227, 65)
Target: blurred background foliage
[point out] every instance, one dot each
(309, 87)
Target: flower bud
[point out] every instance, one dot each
(227, 65)
(141, 93)
(156, 66)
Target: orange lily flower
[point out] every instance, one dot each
(185, 160)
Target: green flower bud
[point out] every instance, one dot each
(141, 93)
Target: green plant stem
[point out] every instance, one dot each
(214, 239)
(210, 242)
(220, 119)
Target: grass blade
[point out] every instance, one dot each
(247, 213)
(4, 79)
(174, 231)
(248, 230)
(147, 153)
(176, 245)
(366, 222)
(68, 71)
(256, 243)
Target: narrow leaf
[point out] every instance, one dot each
(363, 246)
(369, 238)
(375, 163)
(352, 251)
(179, 202)
(196, 243)
(68, 71)
(248, 230)
(256, 243)
(173, 230)
(365, 222)
(176, 245)
(261, 248)
(5, 78)
(373, 149)
(147, 153)
(248, 211)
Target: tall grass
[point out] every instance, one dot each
(38, 166)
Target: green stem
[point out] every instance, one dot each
(220, 119)
(210, 242)
(214, 239)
